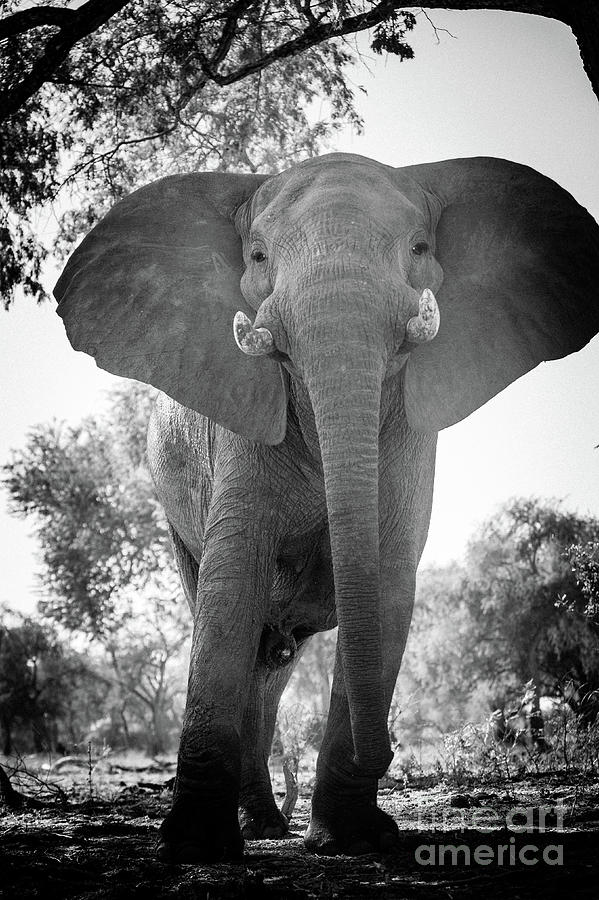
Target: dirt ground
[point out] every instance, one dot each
(548, 828)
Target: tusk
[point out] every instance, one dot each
(253, 341)
(425, 325)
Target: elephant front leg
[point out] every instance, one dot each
(202, 825)
(345, 817)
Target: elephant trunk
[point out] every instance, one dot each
(341, 350)
(346, 410)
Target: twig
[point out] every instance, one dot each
(90, 770)
(109, 154)
(291, 792)
(14, 799)
(46, 785)
(434, 27)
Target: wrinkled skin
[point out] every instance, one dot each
(312, 505)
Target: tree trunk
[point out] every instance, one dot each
(583, 19)
(7, 743)
(38, 734)
(159, 732)
(125, 726)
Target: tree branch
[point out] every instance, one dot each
(13, 799)
(550, 9)
(103, 157)
(230, 30)
(223, 46)
(312, 35)
(35, 17)
(80, 23)
(434, 27)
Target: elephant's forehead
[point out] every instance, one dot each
(333, 186)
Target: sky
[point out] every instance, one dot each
(503, 84)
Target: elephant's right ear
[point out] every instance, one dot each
(151, 294)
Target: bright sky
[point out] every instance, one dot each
(508, 85)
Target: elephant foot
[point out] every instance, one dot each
(264, 822)
(351, 830)
(193, 833)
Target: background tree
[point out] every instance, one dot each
(513, 612)
(102, 533)
(438, 687)
(526, 606)
(108, 573)
(149, 666)
(99, 99)
(40, 680)
(584, 560)
(312, 679)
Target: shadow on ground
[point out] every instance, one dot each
(101, 850)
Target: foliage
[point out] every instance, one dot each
(99, 97)
(108, 570)
(439, 686)
(299, 732)
(147, 662)
(41, 686)
(512, 613)
(519, 583)
(312, 678)
(102, 533)
(28, 178)
(94, 107)
(584, 560)
(469, 753)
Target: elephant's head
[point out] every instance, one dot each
(332, 269)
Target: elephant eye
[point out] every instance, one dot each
(419, 248)
(258, 256)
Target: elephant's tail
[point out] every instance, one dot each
(187, 567)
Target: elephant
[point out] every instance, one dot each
(311, 332)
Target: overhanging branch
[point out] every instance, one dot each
(314, 34)
(72, 28)
(35, 17)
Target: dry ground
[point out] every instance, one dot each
(104, 848)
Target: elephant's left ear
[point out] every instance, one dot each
(521, 283)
